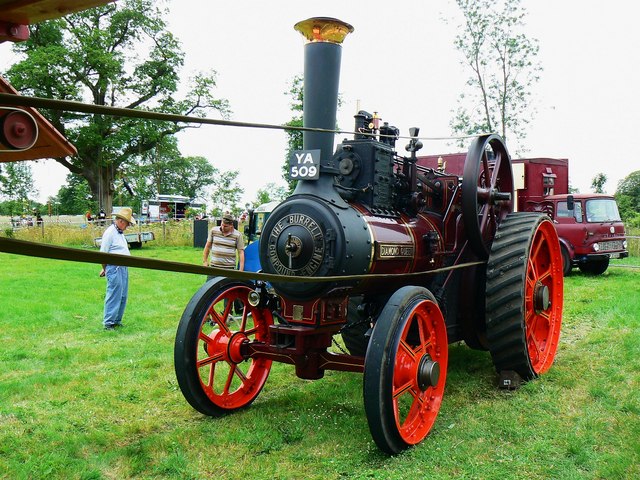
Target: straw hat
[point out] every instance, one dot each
(125, 213)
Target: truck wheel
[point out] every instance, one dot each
(524, 295)
(487, 191)
(213, 373)
(566, 261)
(405, 369)
(594, 268)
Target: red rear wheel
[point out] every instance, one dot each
(405, 370)
(543, 297)
(524, 295)
(212, 365)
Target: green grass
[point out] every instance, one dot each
(80, 402)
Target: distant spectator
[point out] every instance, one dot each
(114, 241)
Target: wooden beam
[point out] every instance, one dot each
(25, 12)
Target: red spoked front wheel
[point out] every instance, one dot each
(405, 370)
(524, 295)
(211, 357)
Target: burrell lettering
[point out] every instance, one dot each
(315, 244)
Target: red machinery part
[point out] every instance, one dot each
(19, 130)
(12, 32)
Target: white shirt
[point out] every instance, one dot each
(114, 242)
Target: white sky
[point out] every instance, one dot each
(400, 61)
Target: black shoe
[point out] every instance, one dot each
(109, 327)
(118, 325)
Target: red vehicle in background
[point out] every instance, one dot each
(588, 224)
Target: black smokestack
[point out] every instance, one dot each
(322, 55)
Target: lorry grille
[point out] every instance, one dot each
(612, 245)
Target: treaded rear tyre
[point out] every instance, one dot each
(524, 295)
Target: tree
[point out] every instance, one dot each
(16, 184)
(598, 182)
(226, 193)
(270, 193)
(628, 198)
(75, 197)
(164, 171)
(503, 70)
(117, 55)
(294, 137)
(192, 176)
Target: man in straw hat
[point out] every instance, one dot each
(113, 241)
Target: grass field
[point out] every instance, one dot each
(80, 402)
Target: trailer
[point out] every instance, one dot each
(168, 207)
(135, 240)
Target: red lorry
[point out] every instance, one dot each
(588, 224)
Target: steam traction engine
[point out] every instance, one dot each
(406, 260)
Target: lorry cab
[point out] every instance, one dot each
(590, 230)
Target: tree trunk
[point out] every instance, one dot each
(100, 179)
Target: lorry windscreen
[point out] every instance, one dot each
(602, 210)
